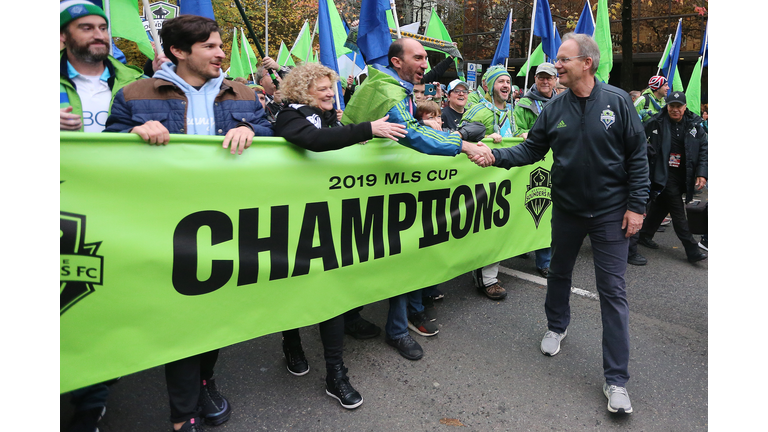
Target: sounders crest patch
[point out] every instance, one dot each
(538, 195)
(607, 117)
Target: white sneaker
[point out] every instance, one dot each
(550, 344)
(618, 399)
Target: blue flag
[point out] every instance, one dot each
(502, 49)
(543, 28)
(670, 66)
(373, 37)
(196, 7)
(327, 47)
(704, 52)
(586, 23)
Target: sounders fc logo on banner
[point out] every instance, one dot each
(538, 196)
(81, 268)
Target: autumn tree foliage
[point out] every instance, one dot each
(474, 24)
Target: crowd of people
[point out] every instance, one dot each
(623, 162)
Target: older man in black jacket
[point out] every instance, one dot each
(678, 166)
(599, 188)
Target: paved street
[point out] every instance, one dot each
(483, 371)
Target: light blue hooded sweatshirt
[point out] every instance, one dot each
(200, 117)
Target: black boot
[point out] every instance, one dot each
(338, 387)
(295, 359)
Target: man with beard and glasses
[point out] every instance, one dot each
(89, 77)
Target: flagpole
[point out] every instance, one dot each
(706, 41)
(152, 28)
(506, 60)
(253, 36)
(394, 15)
(311, 39)
(530, 45)
(354, 63)
(266, 27)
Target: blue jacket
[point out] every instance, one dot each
(157, 99)
(385, 93)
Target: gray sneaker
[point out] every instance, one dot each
(618, 399)
(550, 345)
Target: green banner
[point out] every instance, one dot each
(169, 251)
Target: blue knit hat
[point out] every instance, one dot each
(491, 75)
(71, 10)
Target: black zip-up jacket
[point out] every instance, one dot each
(600, 161)
(659, 132)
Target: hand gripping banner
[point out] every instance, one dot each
(170, 251)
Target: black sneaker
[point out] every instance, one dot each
(647, 242)
(361, 329)
(637, 260)
(295, 359)
(544, 272)
(214, 408)
(406, 346)
(87, 420)
(436, 295)
(429, 308)
(338, 387)
(191, 425)
(419, 323)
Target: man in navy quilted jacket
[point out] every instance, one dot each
(190, 95)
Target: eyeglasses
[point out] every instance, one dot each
(545, 77)
(461, 92)
(567, 59)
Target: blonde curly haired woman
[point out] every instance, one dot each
(309, 120)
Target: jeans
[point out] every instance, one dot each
(543, 257)
(609, 248)
(399, 308)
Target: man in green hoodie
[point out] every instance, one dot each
(89, 77)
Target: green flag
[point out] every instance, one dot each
(603, 39)
(247, 56)
(235, 62)
(301, 46)
(677, 83)
(284, 56)
(391, 19)
(436, 30)
(537, 58)
(125, 23)
(666, 52)
(339, 34)
(693, 92)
